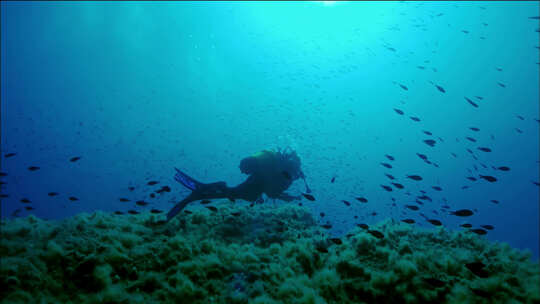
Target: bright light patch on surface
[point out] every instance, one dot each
(327, 3)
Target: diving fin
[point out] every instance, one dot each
(186, 180)
(307, 187)
(177, 208)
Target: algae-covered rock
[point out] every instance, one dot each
(259, 254)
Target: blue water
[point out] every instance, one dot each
(135, 89)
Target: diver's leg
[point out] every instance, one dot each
(202, 191)
(179, 207)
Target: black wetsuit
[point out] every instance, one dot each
(271, 173)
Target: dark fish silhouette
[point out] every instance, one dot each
(485, 149)
(427, 132)
(470, 139)
(322, 214)
(475, 129)
(466, 225)
(308, 196)
(422, 156)
(412, 207)
(504, 168)
(131, 188)
(471, 102)
(390, 157)
(389, 176)
(141, 203)
(363, 226)
(441, 89)
(397, 185)
(52, 193)
(408, 221)
(236, 213)
(118, 212)
(403, 87)
(430, 142)
(29, 208)
(205, 201)
(333, 179)
(502, 85)
(471, 178)
(387, 188)
(415, 177)
(152, 195)
(164, 189)
(25, 200)
(123, 199)
(321, 249)
(326, 226)
(435, 222)
(73, 198)
(362, 199)
(489, 178)
(133, 212)
(462, 212)
(33, 168)
(151, 183)
(155, 211)
(478, 231)
(494, 201)
(211, 208)
(437, 188)
(415, 118)
(376, 234)
(488, 227)
(9, 155)
(346, 202)
(387, 165)
(425, 197)
(399, 111)
(74, 159)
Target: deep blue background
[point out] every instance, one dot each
(138, 88)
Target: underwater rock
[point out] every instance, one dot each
(262, 254)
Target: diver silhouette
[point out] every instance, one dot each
(270, 172)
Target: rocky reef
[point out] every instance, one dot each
(260, 254)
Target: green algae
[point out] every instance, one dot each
(258, 255)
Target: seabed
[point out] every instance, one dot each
(261, 254)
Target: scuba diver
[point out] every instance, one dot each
(270, 172)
